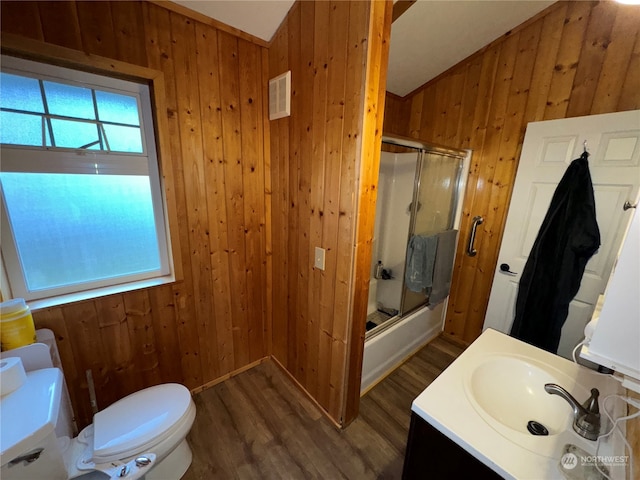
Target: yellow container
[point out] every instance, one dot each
(16, 324)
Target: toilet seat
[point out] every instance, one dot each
(139, 421)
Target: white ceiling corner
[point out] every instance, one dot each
(429, 38)
(260, 18)
(434, 35)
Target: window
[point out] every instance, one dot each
(82, 206)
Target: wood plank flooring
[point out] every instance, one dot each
(259, 425)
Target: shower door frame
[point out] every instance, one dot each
(421, 149)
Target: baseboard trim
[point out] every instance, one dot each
(293, 380)
(227, 376)
(298, 385)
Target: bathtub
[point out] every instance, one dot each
(387, 350)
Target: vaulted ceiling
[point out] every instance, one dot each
(427, 39)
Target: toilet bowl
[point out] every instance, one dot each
(140, 436)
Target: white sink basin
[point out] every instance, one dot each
(507, 391)
(511, 391)
(485, 398)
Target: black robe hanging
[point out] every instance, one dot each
(567, 239)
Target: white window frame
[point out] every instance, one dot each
(30, 159)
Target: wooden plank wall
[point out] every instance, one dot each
(574, 59)
(368, 164)
(214, 321)
(397, 111)
(315, 171)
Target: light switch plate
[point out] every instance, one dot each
(319, 258)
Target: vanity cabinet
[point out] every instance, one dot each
(430, 454)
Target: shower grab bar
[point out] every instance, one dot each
(472, 252)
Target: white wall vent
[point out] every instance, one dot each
(280, 96)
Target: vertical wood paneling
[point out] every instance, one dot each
(211, 115)
(233, 167)
(367, 166)
(114, 333)
(137, 308)
(305, 112)
(564, 71)
(88, 354)
(318, 166)
(253, 194)
(279, 212)
(97, 30)
(293, 48)
(166, 333)
(160, 56)
(197, 279)
(486, 170)
(415, 116)
(505, 164)
(130, 37)
(315, 171)
(399, 109)
(592, 53)
(471, 92)
(577, 58)
(268, 229)
(22, 18)
(59, 22)
(212, 321)
(552, 28)
(617, 60)
(629, 97)
(337, 57)
(453, 113)
(335, 319)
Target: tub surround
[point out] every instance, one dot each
(454, 407)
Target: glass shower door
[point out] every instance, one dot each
(435, 198)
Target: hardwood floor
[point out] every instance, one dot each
(259, 425)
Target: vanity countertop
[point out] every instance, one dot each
(450, 405)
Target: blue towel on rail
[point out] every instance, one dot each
(421, 254)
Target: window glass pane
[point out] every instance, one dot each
(113, 107)
(123, 139)
(70, 134)
(69, 101)
(20, 93)
(78, 228)
(20, 129)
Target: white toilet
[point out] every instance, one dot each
(140, 436)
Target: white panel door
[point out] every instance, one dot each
(613, 141)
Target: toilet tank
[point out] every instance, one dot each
(44, 354)
(29, 447)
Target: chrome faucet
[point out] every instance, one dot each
(586, 417)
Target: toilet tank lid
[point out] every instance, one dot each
(29, 413)
(138, 419)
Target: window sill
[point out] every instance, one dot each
(59, 300)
